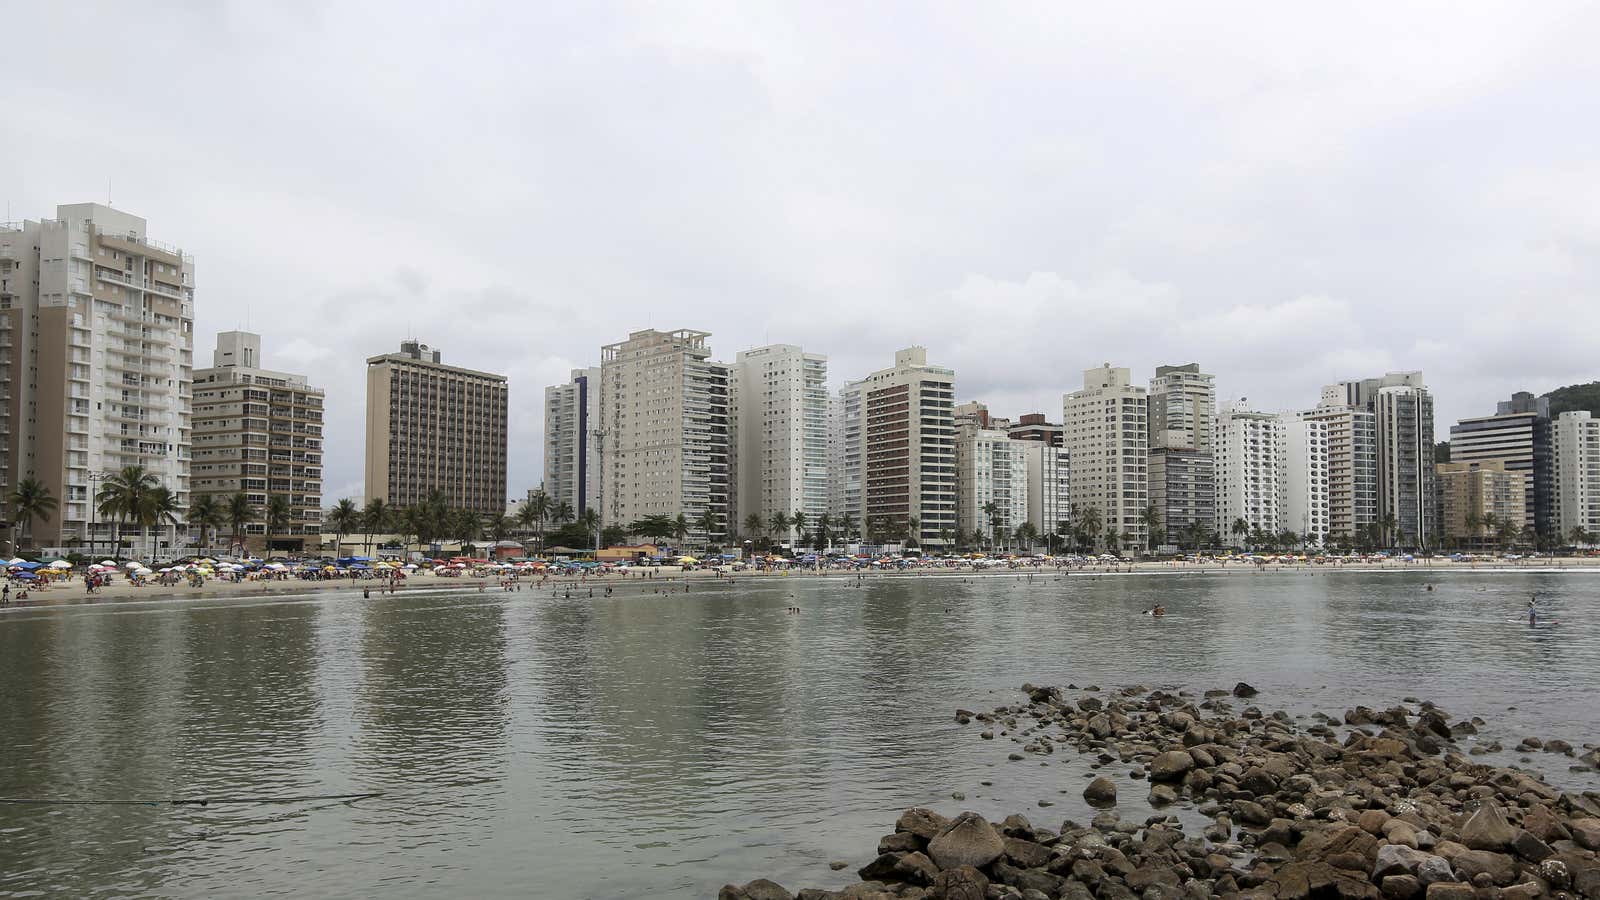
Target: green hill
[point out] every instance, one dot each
(1575, 396)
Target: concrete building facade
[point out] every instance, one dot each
(991, 468)
(1402, 415)
(1472, 491)
(1107, 439)
(96, 363)
(1183, 401)
(1352, 466)
(781, 416)
(1033, 427)
(1518, 434)
(259, 432)
(1249, 452)
(664, 431)
(571, 453)
(1049, 487)
(434, 427)
(1576, 463)
(909, 450)
(1303, 462)
(846, 493)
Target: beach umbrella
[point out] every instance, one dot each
(16, 562)
(133, 565)
(141, 572)
(61, 564)
(26, 576)
(108, 562)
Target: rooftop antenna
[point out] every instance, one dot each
(108, 190)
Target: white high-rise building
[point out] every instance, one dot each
(1575, 446)
(571, 454)
(781, 420)
(991, 483)
(1249, 451)
(1183, 401)
(1304, 469)
(663, 431)
(908, 449)
(847, 493)
(1352, 465)
(1182, 473)
(1049, 487)
(96, 363)
(1403, 472)
(1107, 439)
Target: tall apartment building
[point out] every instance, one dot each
(1049, 487)
(259, 433)
(1576, 463)
(96, 362)
(1250, 478)
(846, 494)
(1518, 434)
(1182, 474)
(664, 431)
(1469, 492)
(433, 427)
(1352, 465)
(991, 468)
(1183, 401)
(781, 417)
(1402, 411)
(1107, 439)
(1033, 427)
(909, 449)
(571, 453)
(1303, 462)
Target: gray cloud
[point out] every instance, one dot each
(1288, 195)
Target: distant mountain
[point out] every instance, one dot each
(1575, 396)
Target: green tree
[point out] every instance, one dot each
(824, 532)
(562, 512)
(277, 518)
(534, 512)
(466, 526)
(344, 518)
(753, 529)
(1389, 525)
(848, 527)
(1150, 518)
(1088, 527)
(707, 522)
(206, 513)
(913, 531)
(680, 529)
(991, 515)
(31, 500)
(1578, 536)
(798, 520)
(241, 515)
(158, 508)
(374, 519)
(1113, 539)
(1240, 529)
(122, 497)
(589, 521)
(778, 521)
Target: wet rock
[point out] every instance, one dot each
(1585, 833)
(1026, 854)
(968, 840)
(911, 867)
(1401, 887)
(900, 842)
(1500, 868)
(1251, 813)
(1448, 891)
(1171, 765)
(760, 889)
(1162, 795)
(1101, 792)
(1529, 847)
(1244, 690)
(838, 864)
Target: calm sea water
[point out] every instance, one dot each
(661, 745)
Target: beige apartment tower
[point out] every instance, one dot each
(1472, 492)
(1108, 442)
(259, 433)
(909, 451)
(433, 427)
(96, 344)
(663, 432)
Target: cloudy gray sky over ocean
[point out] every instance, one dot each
(1289, 194)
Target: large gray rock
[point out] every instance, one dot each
(1396, 859)
(968, 840)
(1170, 766)
(1501, 869)
(1586, 833)
(961, 883)
(1101, 792)
(1487, 829)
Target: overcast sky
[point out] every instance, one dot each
(1288, 196)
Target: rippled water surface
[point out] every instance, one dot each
(652, 745)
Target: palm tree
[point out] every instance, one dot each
(562, 513)
(707, 523)
(374, 519)
(207, 513)
(1508, 533)
(1240, 528)
(1089, 522)
(680, 528)
(31, 500)
(824, 532)
(496, 526)
(991, 512)
(913, 532)
(589, 521)
(1027, 534)
(847, 527)
(241, 513)
(1150, 518)
(122, 495)
(277, 518)
(535, 510)
(779, 523)
(1389, 525)
(798, 520)
(1577, 536)
(343, 519)
(753, 527)
(1113, 538)
(158, 508)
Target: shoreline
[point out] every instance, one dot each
(71, 592)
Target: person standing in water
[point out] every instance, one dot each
(1533, 614)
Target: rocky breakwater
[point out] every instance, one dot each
(1390, 808)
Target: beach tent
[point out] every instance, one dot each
(22, 564)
